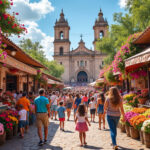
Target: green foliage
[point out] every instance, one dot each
(136, 20)
(36, 52)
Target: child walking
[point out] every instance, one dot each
(81, 121)
(92, 109)
(22, 120)
(100, 109)
(61, 115)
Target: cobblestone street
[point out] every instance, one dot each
(68, 140)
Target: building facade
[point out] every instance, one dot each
(82, 65)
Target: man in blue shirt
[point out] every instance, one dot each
(42, 109)
(61, 115)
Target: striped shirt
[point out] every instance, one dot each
(111, 111)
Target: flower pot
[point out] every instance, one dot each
(122, 128)
(141, 137)
(134, 133)
(146, 139)
(3, 138)
(15, 130)
(9, 135)
(127, 130)
(142, 100)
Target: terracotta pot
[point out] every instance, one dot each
(9, 135)
(15, 130)
(122, 128)
(142, 100)
(134, 133)
(3, 138)
(141, 137)
(127, 130)
(146, 139)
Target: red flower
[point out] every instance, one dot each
(17, 13)
(1, 2)
(5, 16)
(11, 3)
(9, 22)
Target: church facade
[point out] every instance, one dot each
(81, 65)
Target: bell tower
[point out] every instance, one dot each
(61, 36)
(100, 28)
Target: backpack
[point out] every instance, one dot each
(1, 129)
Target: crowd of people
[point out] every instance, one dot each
(56, 104)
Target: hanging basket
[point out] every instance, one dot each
(122, 128)
(134, 133)
(9, 135)
(3, 138)
(141, 137)
(146, 139)
(15, 130)
(127, 130)
(142, 100)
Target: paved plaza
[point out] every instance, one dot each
(69, 140)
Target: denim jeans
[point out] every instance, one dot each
(113, 122)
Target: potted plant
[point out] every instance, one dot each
(128, 116)
(136, 123)
(146, 132)
(2, 134)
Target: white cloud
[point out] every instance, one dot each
(122, 3)
(29, 13)
(32, 11)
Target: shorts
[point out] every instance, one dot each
(27, 121)
(22, 123)
(68, 105)
(86, 104)
(100, 109)
(42, 119)
(54, 108)
(92, 111)
(61, 119)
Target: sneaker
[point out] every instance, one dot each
(45, 141)
(41, 143)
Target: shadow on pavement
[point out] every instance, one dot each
(67, 131)
(92, 147)
(48, 147)
(123, 148)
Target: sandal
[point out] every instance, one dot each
(115, 147)
(85, 143)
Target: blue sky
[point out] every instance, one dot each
(39, 16)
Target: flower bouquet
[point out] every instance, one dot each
(131, 99)
(146, 129)
(147, 113)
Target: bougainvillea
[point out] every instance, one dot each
(138, 73)
(8, 24)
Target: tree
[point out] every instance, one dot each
(136, 20)
(36, 52)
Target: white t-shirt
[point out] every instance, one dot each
(92, 105)
(81, 118)
(23, 114)
(54, 99)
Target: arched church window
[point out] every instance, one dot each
(61, 35)
(101, 34)
(61, 51)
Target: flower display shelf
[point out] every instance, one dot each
(134, 133)
(141, 137)
(127, 130)
(142, 100)
(9, 135)
(15, 130)
(3, 138)
(146, 139)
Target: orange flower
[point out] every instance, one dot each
(139, 110)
